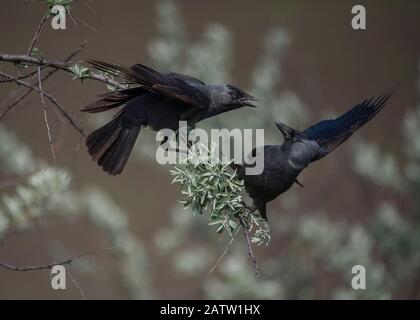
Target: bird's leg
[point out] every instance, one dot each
(297, 182)
(189, 129)
(235, 166)
(177, 150)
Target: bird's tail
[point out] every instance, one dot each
(112, 144)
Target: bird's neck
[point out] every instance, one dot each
(300, 154)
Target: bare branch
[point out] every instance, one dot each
(11, 106)
(37, 33)
(49, 97)
(82, 293)
(20, 77)
(224, 253)
(41, 93)
(250, 251)
(84, 23)
(50, 265)
(65, 66)
(87, 6)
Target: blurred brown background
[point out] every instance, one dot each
(329, 65)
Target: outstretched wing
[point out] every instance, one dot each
(329, 134)
(172, 85)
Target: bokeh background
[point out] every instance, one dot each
(305, 62)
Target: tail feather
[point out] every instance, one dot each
(112, 144)
(101, 139)
(114, 159)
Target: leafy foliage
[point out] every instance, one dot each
(212, 187)
(80, 72)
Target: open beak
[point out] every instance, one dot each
(248, 101)
(285, 130)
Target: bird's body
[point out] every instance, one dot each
(277, 176)
(283, 163)
(158, 101)
(282, 166)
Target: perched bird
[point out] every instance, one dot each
(156, 100)
(283, 163)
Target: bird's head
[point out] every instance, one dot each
(300, 149)
(290, 135)
(239, 98)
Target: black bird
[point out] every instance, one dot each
(157, 100)
(283, 163)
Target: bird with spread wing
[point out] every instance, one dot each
(283, 163)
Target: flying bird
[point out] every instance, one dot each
(283, 163)
(155, 100)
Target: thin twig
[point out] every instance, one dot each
(41, 93)
(20, 77)
(250, 251)
(85, 23)
(50, 265)
(72, 18)
(49, 97)
(224, 253)
(87, 6)
(77, 285)
(11, 106)
(37, 33)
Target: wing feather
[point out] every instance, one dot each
(176, 86)
(329, 134)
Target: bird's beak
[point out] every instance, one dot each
(285, 130)
(248, 101)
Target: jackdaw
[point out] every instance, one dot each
(156, 100)
(283, 163)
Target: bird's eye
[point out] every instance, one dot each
(294, 139)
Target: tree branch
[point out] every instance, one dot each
(11, 106)
(65, 66)
(224, 252)
(37, 33)
(49, 97)
(250, 251)
(50, 265)
(82, 293)
(41, 93)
